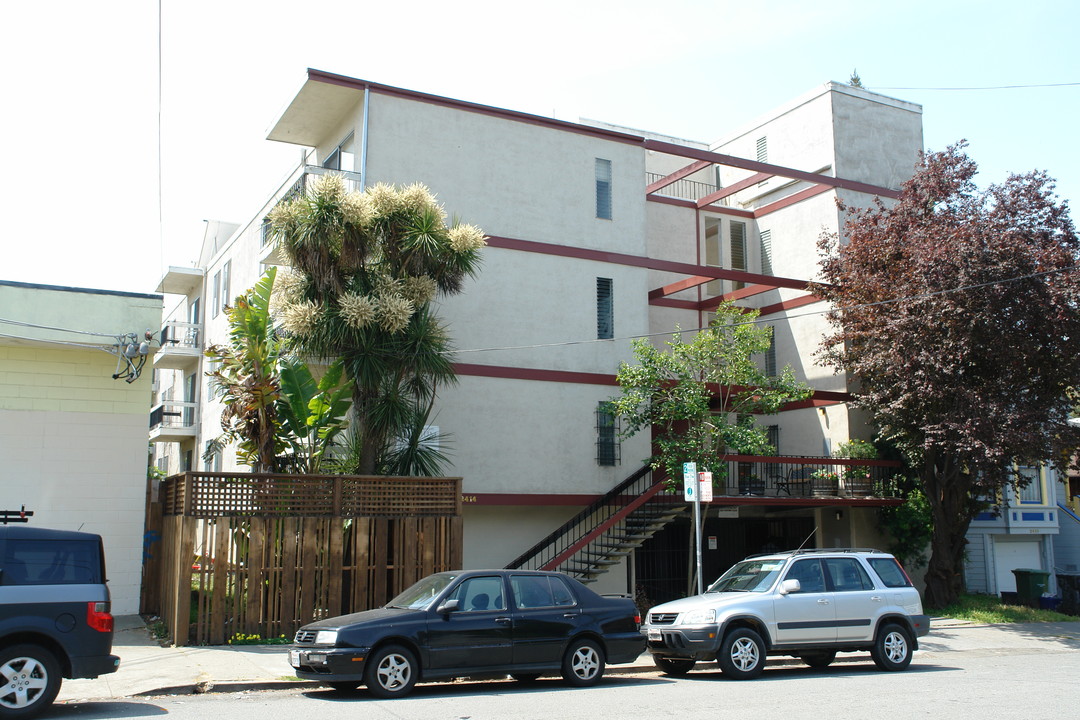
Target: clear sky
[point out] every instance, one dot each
(80, 187)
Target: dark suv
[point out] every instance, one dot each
(55, 618)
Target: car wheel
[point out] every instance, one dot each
(892, 648)
(525, 677)
(391, 672)
(343, 685)
(583, 664)
(30, 678)
(819, 659)
(742, 654)
(673, 666)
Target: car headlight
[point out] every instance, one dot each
(698, 617)
(326, 637)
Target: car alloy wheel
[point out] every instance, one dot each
(742, 654)
(29, 681)
(391, 672)
(892, 648)
(583, 663)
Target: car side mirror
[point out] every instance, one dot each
(449, 606)
(790, 586)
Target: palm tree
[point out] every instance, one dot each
(367, 267)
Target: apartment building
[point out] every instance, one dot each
(597, 234)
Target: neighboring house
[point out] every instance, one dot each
(1034, 528)
(598, 234)
(72, 438)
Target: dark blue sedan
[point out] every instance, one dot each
(471, 624)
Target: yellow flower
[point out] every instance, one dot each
(420, 289)
(300, 318)
(464, 238)
(357, 310)
(394, 312)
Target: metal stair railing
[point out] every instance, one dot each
(603, 533)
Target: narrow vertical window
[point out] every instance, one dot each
(603, 189)
(215, 295)
(713, 231)
(766, 252)
(737, 246)
(226, 288)
(762, 150)
(772, 433)
(770, 355)
(607, 434)
(605, 310)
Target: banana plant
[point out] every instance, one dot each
(312, 411)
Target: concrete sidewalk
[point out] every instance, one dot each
(146, 668)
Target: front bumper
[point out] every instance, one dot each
(698, 642)
(329, 664)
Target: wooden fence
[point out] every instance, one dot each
(264, 554)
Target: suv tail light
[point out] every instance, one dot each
(98, 616)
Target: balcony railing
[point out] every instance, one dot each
(181, 345)
(173, 421)
(684, 189)
(793, 477)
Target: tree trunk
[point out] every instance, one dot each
(947, 489)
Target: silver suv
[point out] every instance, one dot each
(808, 604)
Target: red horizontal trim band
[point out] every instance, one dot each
(644, 262)
(677, 304)
(551, 500)
(514, 373)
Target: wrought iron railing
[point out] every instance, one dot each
(178, 335)
(683, 189)
(173, 414)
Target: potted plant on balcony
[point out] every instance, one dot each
(857, 480)
(825, 483)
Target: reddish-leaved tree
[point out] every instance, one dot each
(957, 310)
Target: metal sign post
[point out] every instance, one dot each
(692, 492)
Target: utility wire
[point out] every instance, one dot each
(988, 87)
(58, 329)
(761, 321)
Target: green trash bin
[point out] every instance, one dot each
(1031, 584)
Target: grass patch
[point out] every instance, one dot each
(990, 609)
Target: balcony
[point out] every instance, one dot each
(181, 280)
(296, 184)
(173, 421)
(807, 480)
(181, 346)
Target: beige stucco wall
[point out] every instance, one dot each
(73, 441)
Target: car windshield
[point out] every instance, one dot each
(748, 576)
(422, 593)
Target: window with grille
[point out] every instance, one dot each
(766, 252)
(762, 149)
(603, 189)
(607, 434)
(605, 309)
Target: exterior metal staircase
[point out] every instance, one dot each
(602, 534)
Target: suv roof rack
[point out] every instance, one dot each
(811, 551)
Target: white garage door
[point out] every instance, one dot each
(1009, 555)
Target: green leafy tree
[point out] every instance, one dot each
(367, 268)
(701, 396)
(246, 380)
(957, 310)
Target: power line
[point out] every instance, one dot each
(761, 321)
(988, 87)
(58, 329)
